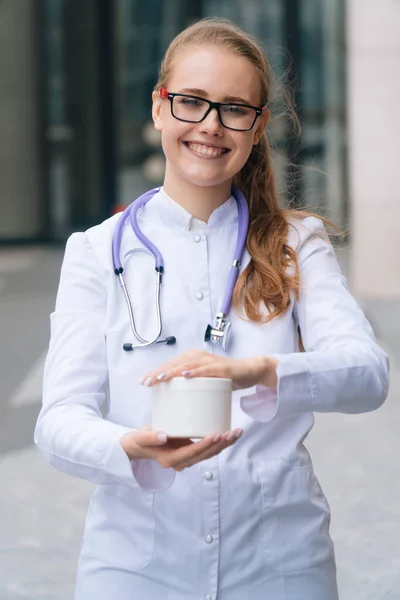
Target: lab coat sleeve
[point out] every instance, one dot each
(343, 369)
(70, 430)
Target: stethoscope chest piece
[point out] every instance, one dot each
(220, 333)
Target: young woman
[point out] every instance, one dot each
(238, 515)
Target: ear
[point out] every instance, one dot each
(262, 123)
(156, 111)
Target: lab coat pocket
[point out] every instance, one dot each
(296, 516)
(120, 527)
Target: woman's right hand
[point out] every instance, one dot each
(178, 453)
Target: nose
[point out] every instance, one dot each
(211, 123)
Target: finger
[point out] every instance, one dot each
(203, 367)
(191, 355)
(148, 437)
(176, 443)
(207, 370)
(163, 452)
(213, 450)
(180, 369)
(186, 453)
(213, 366)
(164, 373)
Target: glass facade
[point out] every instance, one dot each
(102, 61)
(57, 133)
(142, 35)
(79, 134)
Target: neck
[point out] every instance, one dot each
(200, 201)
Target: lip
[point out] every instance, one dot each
(210, 144)
(225, 152)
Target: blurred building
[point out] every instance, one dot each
(373, 34)
(75, 103)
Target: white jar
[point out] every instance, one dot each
(193, 408)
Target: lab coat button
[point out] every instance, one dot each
(208, 475)
(199, 296)
(207, 597)
(208, 539)
(197, 238)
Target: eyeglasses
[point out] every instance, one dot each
(193, 109)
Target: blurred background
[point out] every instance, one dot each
(76, 80)
(77, 145)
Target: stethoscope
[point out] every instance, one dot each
(216, 335)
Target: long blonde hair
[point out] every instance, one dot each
(267, 277)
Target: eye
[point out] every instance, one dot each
(232, 109)
(190, 102)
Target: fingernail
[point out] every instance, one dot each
(161, 376)
(162, 438)
(148, 381)
(217, 437)
(185, 373)
(239, 433)
(230, 436)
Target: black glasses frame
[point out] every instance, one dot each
(217, 105)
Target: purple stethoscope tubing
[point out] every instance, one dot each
(243, 226)
(131, 213)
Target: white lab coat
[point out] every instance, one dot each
(251, 523)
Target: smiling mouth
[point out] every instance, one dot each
(206, 151)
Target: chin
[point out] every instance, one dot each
(206, 179)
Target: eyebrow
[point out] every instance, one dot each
(203, 94)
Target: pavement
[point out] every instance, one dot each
(42, 511)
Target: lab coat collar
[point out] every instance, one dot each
(164, 211)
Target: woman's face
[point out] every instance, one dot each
(206, 153)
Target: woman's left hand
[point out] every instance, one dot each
(245, 373)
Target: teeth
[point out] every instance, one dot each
(205, 150)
